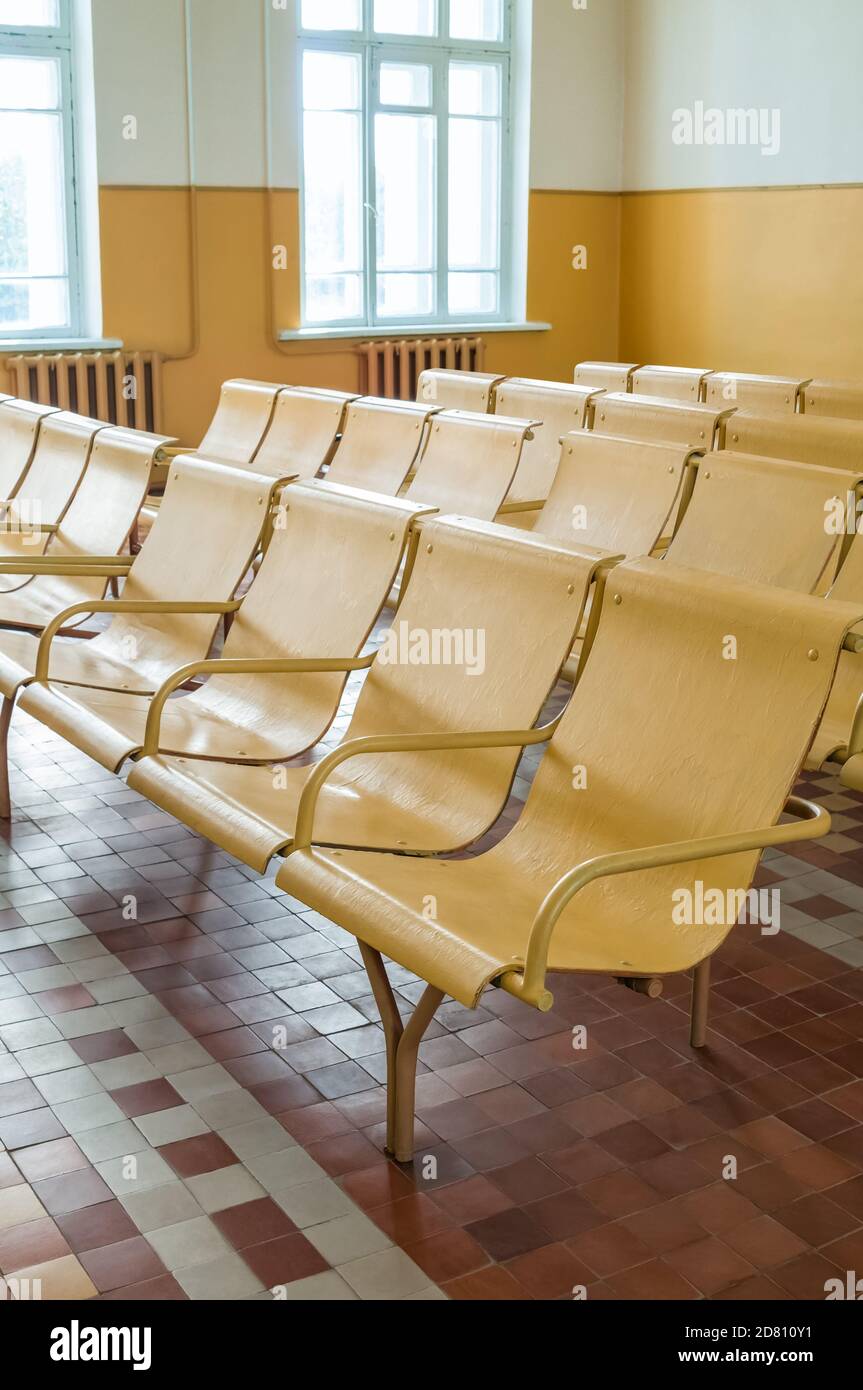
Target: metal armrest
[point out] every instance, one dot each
(11, 525)
(65, 564)
(169, 452)
(529, 984)
(116, 605)
(400, 743)
(265, 666)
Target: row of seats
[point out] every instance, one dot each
(788, 395)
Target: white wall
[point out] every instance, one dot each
(802, 57)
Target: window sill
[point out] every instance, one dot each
(411, 330)
(59, 344)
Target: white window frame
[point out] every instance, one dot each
(40, 41)
(438, 51)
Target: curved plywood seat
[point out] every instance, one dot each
(485, 625)
(224, 510)
(588, 880)
(675, 383)
(288, 614)
(19, 430)
(381, 443)
(764, 521)
(823, 441)
(606, 376)
(240, 423)
(615, 494)
(834, 734)
(842, 399)
(659, 420)
(469, 463)
(746, 390)
(98, 522)
(449, 390)
(303, 432)
(561, 408)
(28, 521)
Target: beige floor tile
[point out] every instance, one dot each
(196, 1242)
(227, 1187)
(60, 1280)
(162, 1206)
(227, 1279)
(389, 1275)
(348, 1238)
(19, 1205)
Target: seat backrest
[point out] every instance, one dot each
(469, 463)
(458, 390)
(62, 450)
(606, 376)
(241, 420)
(303, 432)
(561, 408)
(662, 421)
(614, 494)
(760, 392)
(764, 521)
(716, 745)
(380, 445)
(449, 664)
(288, 612)
(843, 399)
(200, 547)
(20, 422)
(675, 383)
(827, 442)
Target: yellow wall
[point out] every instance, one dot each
(761, 280)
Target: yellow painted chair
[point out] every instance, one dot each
(469, 463)
(606, 376)
(749, 391)
(675, 383)
(20, 422)
(276, 689)
(660, 420)
(561, 408)
(842, 399)
(647, 794)
(303, 432)
(765, 521)
(30, 519)
(826, 442)
(381, 443)
(449, 390)
(485, 624)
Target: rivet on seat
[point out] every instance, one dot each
(618, 599)
(430, 549)
(813, 655)
(392, 535)
(570, 589)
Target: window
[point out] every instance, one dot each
(405, 124)
(39, 259)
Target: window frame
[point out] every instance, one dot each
(58, 43)
(437, 51)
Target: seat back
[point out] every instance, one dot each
(222, 512)
(469, 463)
(658, 420)
(62, 451)
(449, 664)
(606, 376)
(614, 494)
(827, 442)
(843, 399)
(289, 613)
(241, 420)
(303, 432)
(20, 422)
(561, 408)
(458, 390)
(716, 743)
(380, 445)
(760, 392)
(675, 383)
(764, 521)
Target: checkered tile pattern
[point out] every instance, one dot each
(191, 1098)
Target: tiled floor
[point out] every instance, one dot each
(191, 1101)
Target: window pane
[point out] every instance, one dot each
(476, 19)
(329, 14)
(333, 191)
(401, 296)
(473, 294)
(406, 17)
(32, 214)
(405, 197)
(27, 304)
(29, 82)
(332, 81)
(31, 14)
(474, 89)
(331, 297)
(474, 194)
(405, 84)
